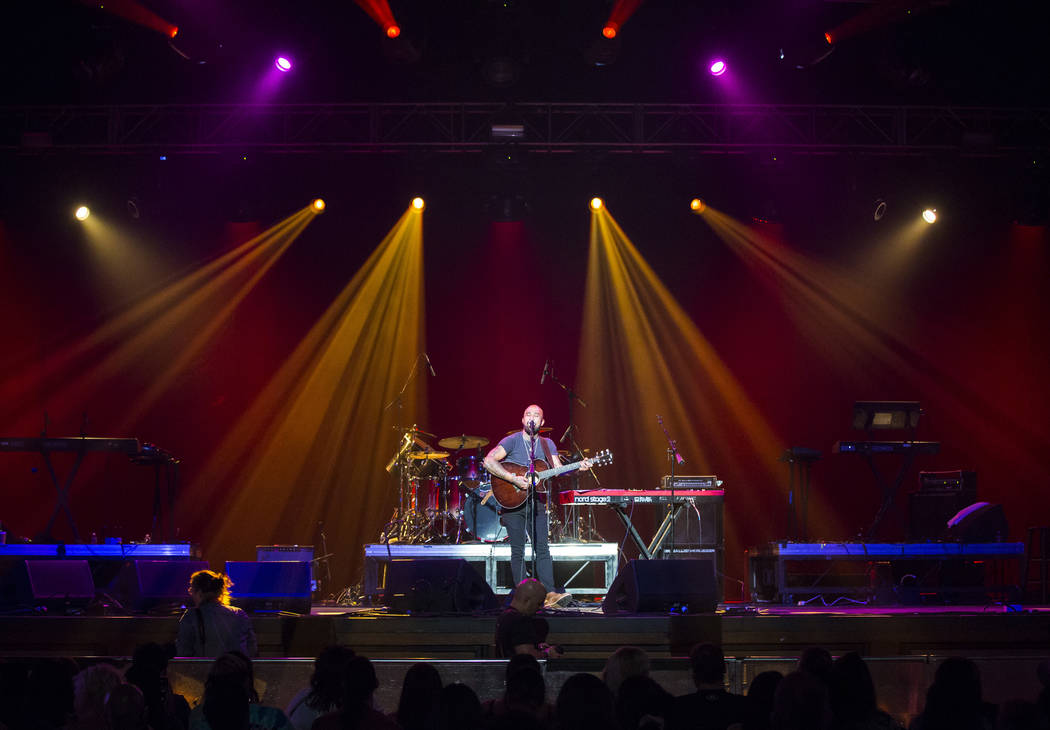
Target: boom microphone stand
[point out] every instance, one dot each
(530, 499)
(676, 458)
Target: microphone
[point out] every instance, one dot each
(432, 373)
(532, 428)
(546, 367)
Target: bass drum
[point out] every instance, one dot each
(482, 520)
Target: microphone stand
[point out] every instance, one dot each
(573, 397)
(402, 450)
(530, 508)
(675, 457)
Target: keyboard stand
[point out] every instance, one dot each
(62, 492)
(648, 551)
(889, 491)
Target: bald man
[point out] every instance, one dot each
(516, 449)
(519, 630)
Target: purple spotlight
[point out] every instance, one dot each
(283, 63)
(717, 67)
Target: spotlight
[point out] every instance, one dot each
(609, 31)
(418, 203)
(597, 203)
(392, 31)
(283, 64)
(827, 37)
(174, 31)
(717, 67)
(697, 205)
(930, 215)
(82, 213)
(318, 205)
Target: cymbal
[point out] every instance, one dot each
(428, 455)
(416, 432)
(545, 429)
(458, 443)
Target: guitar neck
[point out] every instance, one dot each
(555, 471)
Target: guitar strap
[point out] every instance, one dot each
(200, 630)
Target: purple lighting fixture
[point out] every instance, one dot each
(717, 67)
(283, 63)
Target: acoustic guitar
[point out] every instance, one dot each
(509, 495)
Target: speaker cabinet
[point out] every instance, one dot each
(270, 586)
(152, 585)
(55, 584)
(662, 586)
(436, 586)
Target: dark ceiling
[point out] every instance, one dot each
(959, 52)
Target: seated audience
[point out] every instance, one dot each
(525, 692)
(149, 672)
(801, 702)
(91, 686)
(213, 627)
(816, 660)
(853, 702)
(417, 707)
(642, 704)
(356, 711)
(126, 708)
(711, 707)
(954, 699)
(226, 705)
(459, 708)
(627, 661)
(760, 693)
(325, 690)
(237, 668)
(1020, 715)
(519, 630)
(47, 702)
(584, 702)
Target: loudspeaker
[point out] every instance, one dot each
(56, 583)
(144, 585)
(270, 586)
(980, 522)
(436, 586)
(659, 586)
(929, 512)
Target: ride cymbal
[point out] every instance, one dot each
(459, 443)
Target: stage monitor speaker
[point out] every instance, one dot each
(979, 522)
(56, 584)
(662, 586)
(446, 585)
(149, 585)
(270, 586)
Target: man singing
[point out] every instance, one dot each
(517, 449)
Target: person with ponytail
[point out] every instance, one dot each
(213, 627)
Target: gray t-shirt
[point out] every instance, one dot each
(226, 628)
(518, 451)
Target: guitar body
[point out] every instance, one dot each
(509, 495)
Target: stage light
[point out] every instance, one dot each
(174, 31)
(392, 31)
(609, 31)
(418, 203)
(930, 215)
(318, 205)
(697, 205)
(717, 67)
(283, 64)
(827, 37)
(82, 213)
(880, 209)
(597, 203)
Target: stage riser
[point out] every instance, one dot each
(592, 636)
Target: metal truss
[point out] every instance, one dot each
(548, 127)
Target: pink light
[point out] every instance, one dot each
(283, 64)
(718, 67)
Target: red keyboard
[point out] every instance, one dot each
(636, 496)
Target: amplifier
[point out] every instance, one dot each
(954, 480)
(691, 482)
(283, 553)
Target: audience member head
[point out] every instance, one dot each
(529, 597)
(760, 693)
(126, 708)
(420, 695)
(584, 701)
(960, 676)
(801, 703)
(226, 705)
(1020, 715)
(209, 587)
(48, 697)
(953, 701)
(326, 683)
(459, 708)
(709, 664)
(852, 689)
(359, 683)
(91, 686)
(148, 672)
(234, 665)
(642, 704)
(816, 660)
(627, 661)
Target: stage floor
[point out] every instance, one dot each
(586, 633)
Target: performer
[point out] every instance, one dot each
(516, 449)
(214, 627)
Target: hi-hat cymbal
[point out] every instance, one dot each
(428, 455)
(545, 429)
(415, 431)
(458, 443)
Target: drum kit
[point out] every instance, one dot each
(444, 492)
